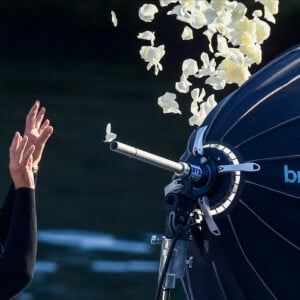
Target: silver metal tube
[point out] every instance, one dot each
(181, 169)
(165, 295)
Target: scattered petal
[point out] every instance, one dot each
(189, 67)
(208, 68)
(252, 52)
(187, 33)
(217, 81)
(263, 31)
(164, 3)
(270, 9)
(147, 12)
(114, 18)
(234, 35)
(200, 109)
(183, 86)
(110, 136)
(168, 103)
(236, 72)
(239, 12)
(152, 55)
(147, 35)
(197, 96)
(257, 14)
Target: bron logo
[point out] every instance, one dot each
(291, 176)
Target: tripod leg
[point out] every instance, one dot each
(166, 295)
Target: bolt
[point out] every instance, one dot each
(156, 240)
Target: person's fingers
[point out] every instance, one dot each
(21, 148)
(13, 146)
(40, 117)
(27, 156)
(45, 134)
(44, 125)
(31, 116)
(19, 141)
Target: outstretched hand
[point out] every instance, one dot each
(20, 163)
(38, 131)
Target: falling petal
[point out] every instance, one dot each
(110, 136)
(114, 18)
(189, 67)
(147, 12)
(152, 56)
(168, 103)
(187, 34)
(234, 34)
(148, 36)
(183, 86)
(164, 3)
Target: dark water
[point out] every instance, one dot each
(96, 209)
(76, 264)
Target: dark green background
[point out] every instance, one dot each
(87, 73)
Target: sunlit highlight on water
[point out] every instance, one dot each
(110, 266)
(86, 240)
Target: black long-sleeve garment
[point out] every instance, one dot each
(18, 240)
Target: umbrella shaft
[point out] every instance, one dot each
(180, 168)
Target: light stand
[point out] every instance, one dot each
(189, 199)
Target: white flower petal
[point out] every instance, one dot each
(263, 31)
(271, 5)
(204, 58)
(147, 35)
(198, 20)
(153, 55)
(253, 53)
(239, 12)
(147, 12)
(168, 103)
(211, 102)
(216, 82)
(235, 72)
(222, 45)
(195, 107)
(114, 18)
(257, 14)
(183, 86)
(164, 3)
(195, 94)
(196, 119)
(187, 33)
(109, 136)
(209, 34)
(238, 40)
(189, 67)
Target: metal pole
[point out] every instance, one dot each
(165, 295)
(180, 168)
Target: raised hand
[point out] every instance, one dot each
(20, 163)
(38, 131)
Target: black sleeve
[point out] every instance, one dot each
(5, 215)
(20, 245)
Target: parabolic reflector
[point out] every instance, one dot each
(257, 255)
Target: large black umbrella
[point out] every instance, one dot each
(236, 193)
(256, 255)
